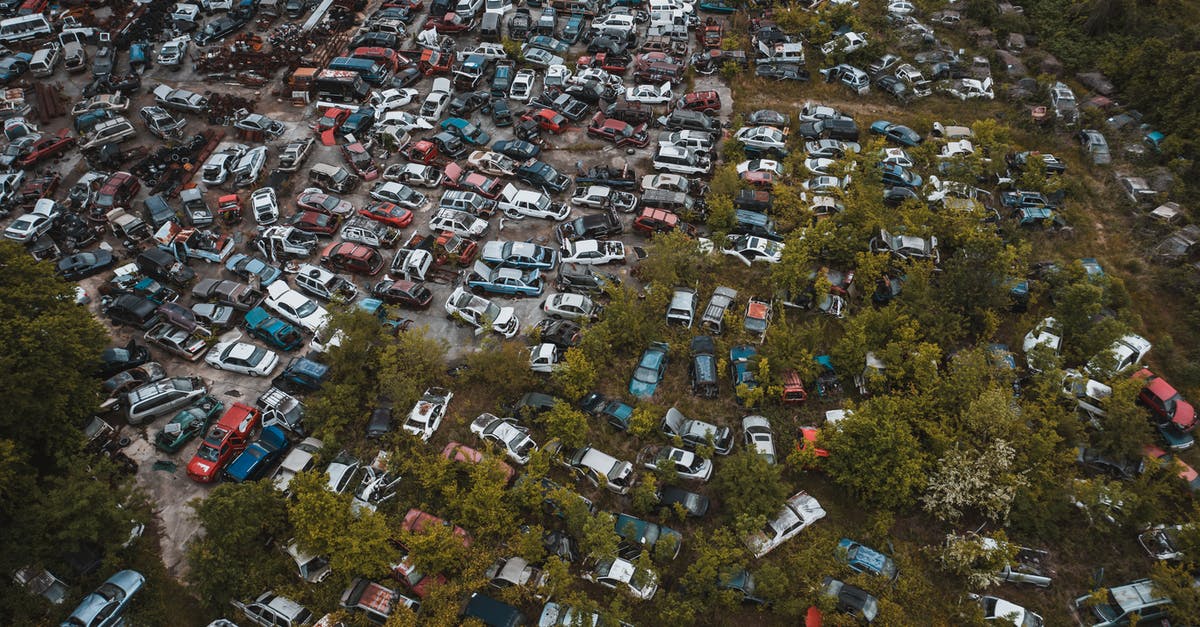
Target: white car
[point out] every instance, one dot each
(756, 431)
(492, 163)
(813, 112)
(499, 7)
(570, 307)
(295, 307)
(679, 160)
(538, 57)
(523, 203)
(242, 358)
(970, 88)
(487, 49)
(760, 165)
(1047, 333)
(800, 511)
(34, 224)
(685, 463)
(751, 248)
(825, 184)
(426, 416)
(900, 7)
(616, 573)
(1000, 611)
(556, 76)
(414, 174)
(172, 53)
(830, 148)
(403, 121)
(650, 94)
(390, 99)
(522, 85)
(216, 169)
(480, 312)
(591, 252)
(894, 156)
(506, 433)
(265, 206)
(846, 42)
(437, 100)
(399, 193)
(957, 148)
(819, 166)
(460, 223)
(762, 137)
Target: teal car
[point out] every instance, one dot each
(188, 424)
(650, 370)
(275, 332)
(864, 559)
(466, 131)
(717, 6)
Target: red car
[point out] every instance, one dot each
(652, 220)
(423, 151)
(360, 161)
(482, 184)
(318, 223)
(45, 147)
(320, 201)
(329, 124)
(412, 5)
(618, 132)
(353, 258)
(615, 64)
(416, 521)
(224, 441)
(547, 119)
(388, 213)
(411, 294)
(416, 581)
(450, 23)
(117, 191)
(762, 179)
(703, 101)
(1165, 402)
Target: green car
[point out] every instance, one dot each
(188, 424)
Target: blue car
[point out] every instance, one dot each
(517, 149)
(504, 281)
(246, 266)
(741, 367)
(614, 412)
(549, 44)
(650, 370)
(14, 65)
(466, 131)
(896, 133)
(275, 332)
(103, 607)
(524, 255)
(638, 535)
(896, 176)
(254, 462)
(864, 559)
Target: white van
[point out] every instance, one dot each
(24, 28)
(46, 60)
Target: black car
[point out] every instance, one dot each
(463, 104)
(217, 29)
(412, 294)
(591, 226)
(534, 403)
(564, 334)
(685, 120)
(501, 113)
(122, 358)
(133, 310)
(519, 24)
(696, 505)
(851, 600)
(161, 265)
(73, 230)
(896, 195)
(517, 149)
(844, 129)
(608, 44)
(84, 265)
(583, 280)
(893, 86)
(450, 144)
(543, 175)
(1096, 462)
(372, 39)
(782, 72)
(380, 422)
(587, 92)
(947, 71)
(569, 107)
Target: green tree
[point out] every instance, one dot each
(566, 423)
(966, 479)
(577, 375)
(1177, 583)
(749, 486)
(874, 454)
(45, 337)
(235, 558)
(411, 363)
(1124, 426)
(980, 563)
(325, 524)
(501, 368)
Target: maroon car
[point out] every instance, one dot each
(46, 147)
(471, 181)
(410, 294)
(353, 258)
(314, 199)
(360, 161)
(618, 132)
(316, 222)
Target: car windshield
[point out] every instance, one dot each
(492, 312)
(306, 310)
(207, 452)
(648, 375)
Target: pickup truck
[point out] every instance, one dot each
(375, 600)
(253, 462)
